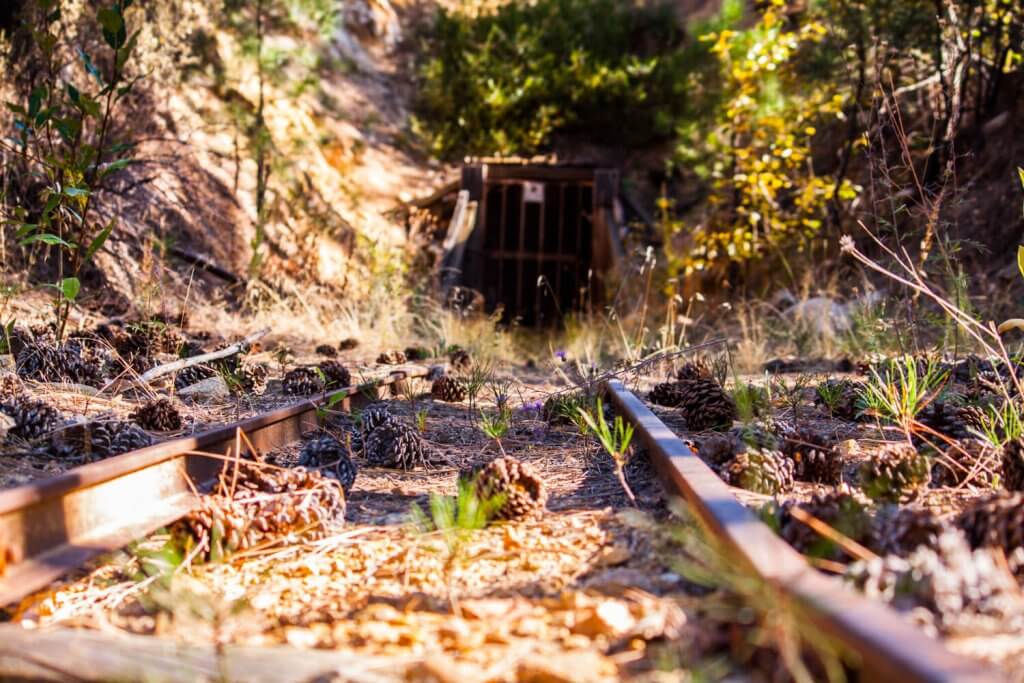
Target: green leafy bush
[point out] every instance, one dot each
(504, 82)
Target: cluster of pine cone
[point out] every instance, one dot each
(268, 505)
(704, 404)
(327, 375)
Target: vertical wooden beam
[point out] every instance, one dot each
(474, 180)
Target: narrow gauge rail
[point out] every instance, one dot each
(50, 527)
(889, 648)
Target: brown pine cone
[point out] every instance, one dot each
(695, 369)
(841, 511)
(252, 378)
(945, 418)
(449, 388)
(336, 374)
(970, 461)
(302, 382)
(326, 350)
(897, 473)
(460, 360)
(326, 451)
(193, 374)
(996, 522)
(767, 472)
(158, 415)
(11, 386)
(522, 492)
(815, 456)
(348, 344)
(397, 445)
(393, 357)
(705, 405)
(1013, 464)
(32, 419)
(668, 394)
(718, 449)
(900, 530)
(268, 506)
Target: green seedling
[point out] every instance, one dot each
(495, 425)
(615, 438)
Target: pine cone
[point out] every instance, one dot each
(959, 587)
(336, 374)
(767, 472)
(11, 386)
(841, 511)
(193, 374)
(102, 439)
(669, 394)
(945, 418)
(460, 360)
(373, 417)
(695, 369)
(394, 357)
(32, 419)
(252, 378)
(159, 415)
(73, 361)
(268, 506)
(848, 403)
(896, 474)
(815, 457)
(718, 449)
(327, 350)
(348, 344)
(302, 382)
(705, 405)
(1013, 464)
(971, 460)
(900, 530)
(996, 522)
(449, 388)
(326, 451)
(396, 445)
(522, 492)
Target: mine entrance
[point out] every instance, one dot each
(542, 241)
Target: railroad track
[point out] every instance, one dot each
(51, 527)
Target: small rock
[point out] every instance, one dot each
(7, 363)
(207, 390)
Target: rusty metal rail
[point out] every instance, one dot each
(888, 648)
(50, 527)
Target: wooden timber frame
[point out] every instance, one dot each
(544, 238)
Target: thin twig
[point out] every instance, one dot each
(183, 363)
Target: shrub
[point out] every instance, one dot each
(504, 82)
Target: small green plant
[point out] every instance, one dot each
(495, 425)
(615, 438)
(831, 395)
(284, 356)
(479, 375)
(421, 419)
(322, 411)
(455, 520)
(1000, 423)
(65, 131)
(752, 400)
(900, 391)
(792, 394)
